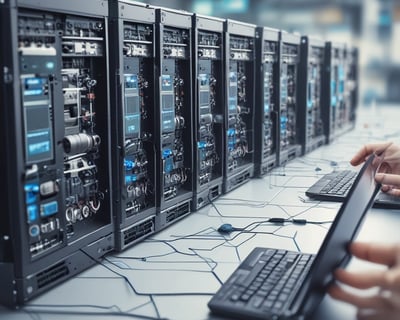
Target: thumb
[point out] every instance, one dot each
(388, 179)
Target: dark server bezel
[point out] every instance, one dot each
(306, 44)
(327, 91)
(19, 271)
(354, 52)
(180, 205)
(243, 173)
(203, 194)
(120, 13)
(296, 149)
(262, 166)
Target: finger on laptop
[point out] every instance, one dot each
(366, 150)
(386, 254)
(388, 179)
(362, 302)
(393, 192)
(385, 279)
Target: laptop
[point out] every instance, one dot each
(279, 284)
(334, 186)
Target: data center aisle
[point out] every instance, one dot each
(174, 273)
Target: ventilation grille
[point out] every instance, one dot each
(177, 212)
(138, 231)
(52, 274)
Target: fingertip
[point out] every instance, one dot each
(385, 188)
(336, 292)
(333, 290)
(356, 246)
(339, 274)
(379, 177)
(354, 161)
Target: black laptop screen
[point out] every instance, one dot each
(333, 252)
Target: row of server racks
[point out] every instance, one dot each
(119, 118)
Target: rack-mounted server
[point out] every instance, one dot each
(174, 127)
(352, 83)
(267, 100)
(290, 121)
(335, 106)
(309, 93)
(239, 103)
(132, 37)
(208, 84)
(55, 86)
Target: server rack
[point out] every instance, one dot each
(239, 103)
(208, 83)
(352, 84)
(310, 93)
(174, 158)
(267, 100)
(132, 37)
(290, 127)
(55, 86)
(335, 106)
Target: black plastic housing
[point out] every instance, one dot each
(55, 83)
(240, 65)
(208, 123)
(267, 100)
(309, 94)
(132, 37)
(173, 116)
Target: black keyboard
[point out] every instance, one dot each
(332, 186)
(264, 283)
(341, 183)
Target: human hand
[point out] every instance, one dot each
(386, 303)
(389, 171)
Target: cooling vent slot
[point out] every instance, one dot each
(177, 212)
(138, 231)
(51, 274)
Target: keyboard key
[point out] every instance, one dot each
(283, 297)
(268, 286)
(257, 301)
(267, 305)
(278, 305)
(245, 297)
(235, 297)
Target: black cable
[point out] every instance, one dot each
(214, 206)
(126, 280)
(90, 313)
(227, 228)
(296, 221)
(150, 295)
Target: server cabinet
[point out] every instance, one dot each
(290, 123)
(208, 84)
(310, 93)
(239, 103)
(55, 129)
(174, 149)
(352, 83)
(267, 100)
(335, 108)
(132, 37)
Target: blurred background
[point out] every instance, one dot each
(371, 25)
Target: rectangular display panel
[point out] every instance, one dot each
(167, 104)
(233, 87)
(132, 106)
(38, 128)
(204, 94)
